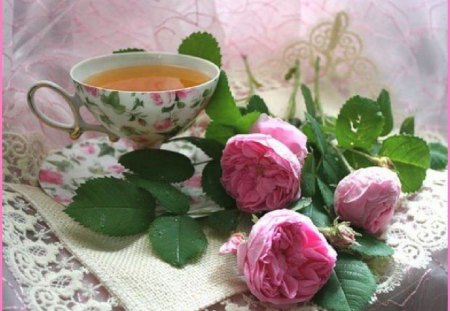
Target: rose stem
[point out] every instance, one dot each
(292, 105)
(374, 160)
(317, 88)
(344, 160)
(252, 82)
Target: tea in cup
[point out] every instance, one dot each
(143, 96)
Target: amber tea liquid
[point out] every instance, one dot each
(146, 78)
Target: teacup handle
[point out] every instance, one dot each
(79, 126)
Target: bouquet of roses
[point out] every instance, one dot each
(325, 189)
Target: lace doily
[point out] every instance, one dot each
(50, 277)
(22, 157)
(418, 229)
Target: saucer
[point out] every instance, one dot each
(63, 171)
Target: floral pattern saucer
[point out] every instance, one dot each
(63, 171)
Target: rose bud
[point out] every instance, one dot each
(286, 133)
(286, 259)
(260, 172)
(340, 234)
(367, 198)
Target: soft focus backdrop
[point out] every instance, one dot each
(399, 45)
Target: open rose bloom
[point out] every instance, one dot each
(285, 260)
(260, 172)
(284, 132)
(367, 198)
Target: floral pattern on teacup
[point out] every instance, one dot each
(162, 99)
(163, 125)
(92, 90)
(145, 116)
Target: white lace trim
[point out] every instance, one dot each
(49, 276)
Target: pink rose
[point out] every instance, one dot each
(231, 246)
(50, 177)
(163, 125)
(116, 168)
(367, 198)
(288, 134)
(261, 173)
(286, 259)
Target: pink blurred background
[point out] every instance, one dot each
(405, 40)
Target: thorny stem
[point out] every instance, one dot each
(344, 160)
(379, 161)
(252, 82)
(292, 104)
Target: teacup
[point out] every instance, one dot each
(147, 118)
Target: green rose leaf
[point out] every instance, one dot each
(317, 213)
(384, 102)
(357, 161)
(213, 187)
(308, 180)
(332, 169)
(244, 124)
(211, 147)
(224, 221)
(113, 101)
(203, 45)
(370, 246)
(407, 126)
(359, 123)
(349, 288)
(112, 206)
(439, 155)
(411, 158)
(219, 132)
(222, 107)
(327, 193)
(256, 103)
(167, 195)
(309, 102)
(300, 204)
(158, 165)
(177, 239)
(317, 132)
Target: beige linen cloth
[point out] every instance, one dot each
(129, 268)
